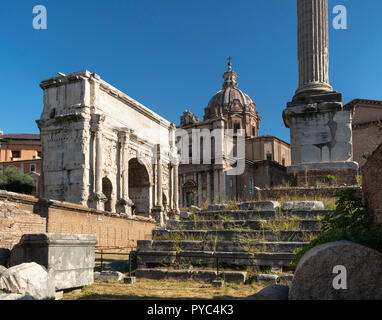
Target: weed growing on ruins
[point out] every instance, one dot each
(231, 205)
(283, 224)
(349, 213)
(348, 222)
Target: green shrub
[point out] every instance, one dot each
(15, 181)
(349, 213)
(371, 238)
(350, 222)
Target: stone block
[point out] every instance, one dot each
(68, 258)
(286, 279)
(108, 275)
(359, 267)
(216, 207)
(235, 276)
(267, 278)
(30, 279)
(303, 205)
(59, 295)
(179, 274)
(205, 275)
(260, 205)
(155, 274)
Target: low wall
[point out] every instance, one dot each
(22, 214)
(326, 192)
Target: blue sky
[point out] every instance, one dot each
(170, 54)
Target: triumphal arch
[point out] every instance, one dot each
(104, 150)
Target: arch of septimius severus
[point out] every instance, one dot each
(104, 150)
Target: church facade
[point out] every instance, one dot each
(264, 158)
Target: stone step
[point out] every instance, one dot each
(225, 246)
(197, 275)
(256, 215)
(312, 224)
(232, 235)
(211, 258)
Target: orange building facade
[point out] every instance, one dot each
(22, 151)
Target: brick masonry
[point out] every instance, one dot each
(22, 214)
(372, 185)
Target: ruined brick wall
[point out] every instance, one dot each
(372, 185)
(16, 220)
(27, 214)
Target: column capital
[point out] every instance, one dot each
(124, 135)
(97, 121)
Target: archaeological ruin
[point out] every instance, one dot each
(104, 150)
(320, 126)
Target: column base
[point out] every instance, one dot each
(97, 201)
(158, 214)
(125, 206)
(325, 174)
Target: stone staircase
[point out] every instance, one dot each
(256, 236)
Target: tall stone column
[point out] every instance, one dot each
(313, 46)
(176, 188)
(209, 196)
(222, 185)
(200, 189)
(320, 127)
(216, 186)
(98, 197)
(158, 209)
(125, 202)
(181, 181)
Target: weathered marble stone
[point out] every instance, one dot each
(216, 207)
(267, 278)
(303, 205)
(235, 276)
(260, 205)
(29, 279)
(205, 275)
(105, 150)
(69, 258)
(108, 275)
(314, 276)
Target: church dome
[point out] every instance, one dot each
(230, 99)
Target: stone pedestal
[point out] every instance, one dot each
(68, 258)
(321, 140)
(158, 214)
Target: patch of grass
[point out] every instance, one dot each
(162, 289)
(284, 224)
